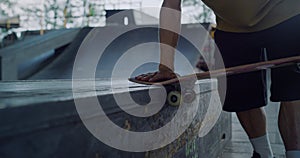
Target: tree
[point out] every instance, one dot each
(49, 14)
(7, 8)
(198, 10)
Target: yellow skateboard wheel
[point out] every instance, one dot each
(174, 98)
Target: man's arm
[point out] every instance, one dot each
(170, 22)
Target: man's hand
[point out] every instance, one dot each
(156, 76)
(164, 73)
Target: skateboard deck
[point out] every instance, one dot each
(228, 71)
(177, 94)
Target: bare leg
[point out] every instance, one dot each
(253, 122)
(289, 124)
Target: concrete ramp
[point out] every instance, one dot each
(62, 66)
(30, 50)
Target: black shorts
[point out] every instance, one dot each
(249, 91)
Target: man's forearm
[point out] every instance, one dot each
(170, 22)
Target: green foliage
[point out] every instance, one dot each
(191, 2)
(7, 7)
(199, 11)
(55, 14)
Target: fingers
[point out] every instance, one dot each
(156, 76)
(145, 77)
(162, 76)
(148, 76)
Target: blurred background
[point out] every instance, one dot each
(55, 14)
(58, 27)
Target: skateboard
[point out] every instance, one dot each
(174, 89)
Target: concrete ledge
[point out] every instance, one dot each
(39, 119)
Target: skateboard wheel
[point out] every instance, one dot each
(298, 67)
(174, 98)
(189, 96)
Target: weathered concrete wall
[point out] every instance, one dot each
(39, 119)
